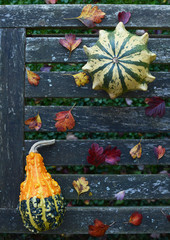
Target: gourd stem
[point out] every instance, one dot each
(41, 144)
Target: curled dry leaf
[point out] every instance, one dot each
(112, 156)
(96, 156)
(156, 107)
(124, 17)
(81, 185)
(70, 42)
(65, 120)
(33, 78)
(159, 151)
(90, 15)
(136, 218)
(34, 122)
(120, 195)
(81, 78)
(136, 151)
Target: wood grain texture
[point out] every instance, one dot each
(75, 152)
(43, 49)
(77, 219)
(12, 46)
(154, 186)
(56, 84)
(38, 16)
(102, 119)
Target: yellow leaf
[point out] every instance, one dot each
(81, 78)
(33, 78)
(136, 151)
(81, 185)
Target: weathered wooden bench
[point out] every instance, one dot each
(17, 49)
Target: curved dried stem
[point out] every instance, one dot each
(41, 144)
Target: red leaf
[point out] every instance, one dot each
(70, 42)
(124, 17)
(96, 156)
(156, 107)
(112, 156)
(98, 229)
(65, 120)
(136, 218)
(167, 216)
(159, 151)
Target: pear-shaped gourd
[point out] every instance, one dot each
(40, 203)
(119, 62)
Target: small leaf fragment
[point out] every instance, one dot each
(70, 42)
(120, 195)
(156, 107)
(136, 218)
(159, 151)
(46, 68)
(124, 17)
(34, 122)
(81, 185)
(33, 78)
(112, 156)
(65, 120)
(51, 1)
(98, 229)
(136, 151)
(81, 78)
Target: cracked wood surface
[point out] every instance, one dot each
(102, 119)
(79, 218)
(39, 16)
(48, 49)
(56, 84)
(12, 47)
(75, 152)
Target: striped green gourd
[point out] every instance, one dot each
(119, 62)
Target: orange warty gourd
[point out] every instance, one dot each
(41, 204)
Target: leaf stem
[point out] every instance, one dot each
(72, 107)
(70, 18)
(163, 213)
(112, 224)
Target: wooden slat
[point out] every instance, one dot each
(77, 220)
(76, 152)
(12, 49)
(45, 49)
(102, 119)
(56, 84)
(53, 16)
(154, 186)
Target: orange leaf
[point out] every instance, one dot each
(136, 151)
(81, 78)
(34, 122)
(70, 42)
(33, 78)
(90, 15)
(159, 151)
(81, 185)
(65, 120)
(98, 229)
